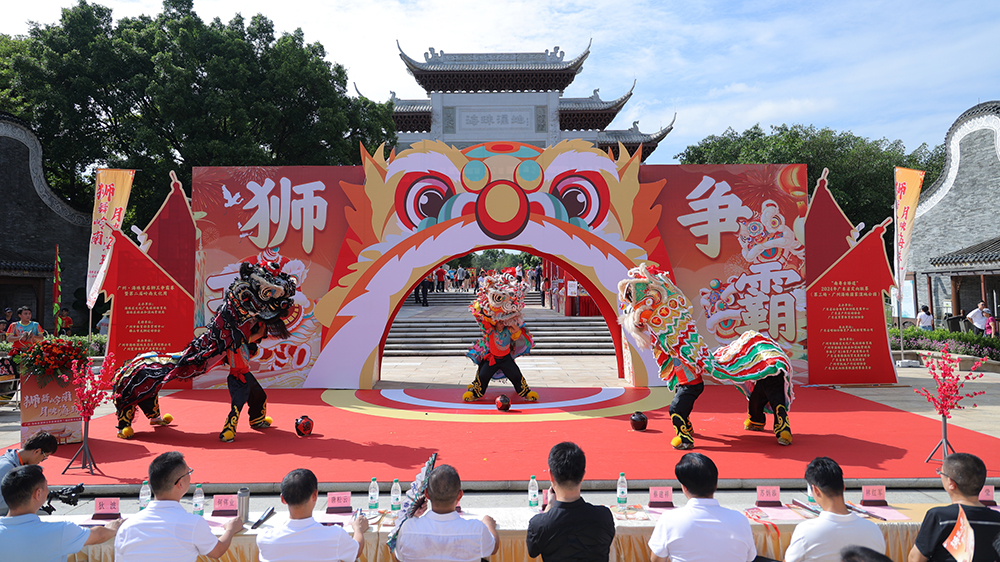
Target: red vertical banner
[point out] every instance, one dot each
(150, 311)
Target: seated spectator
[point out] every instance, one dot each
(165, 531)
(822, 539)
(962, 476)
(302, 538)
(570, 528)
(862, 554)
(26, 537)
(702, 530)
(36, 449)
(441, 533)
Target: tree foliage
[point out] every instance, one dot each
(172, 92)
(861, 169)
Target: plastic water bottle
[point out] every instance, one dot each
(622, 490)
(373, 494)
(533, 493)
(396, 502)
(199, 501)
(144, 495)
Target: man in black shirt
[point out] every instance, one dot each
(962, 476)
(570, 528)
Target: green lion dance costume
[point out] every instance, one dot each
(658, 315)
(498, 309)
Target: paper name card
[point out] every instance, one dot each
(986, 496)
(768, 496)
(338, 502)
(661, 496)
(224, 505)
(873, 495)
(106, 508)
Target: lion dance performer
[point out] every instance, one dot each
(658, 315)
(498, 309)
(254, 307)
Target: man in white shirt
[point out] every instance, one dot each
(441, 534)
(822, 539)
(702, 530)
(302, 538)
(165, 531)
(978, 319)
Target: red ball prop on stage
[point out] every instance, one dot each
(503, 403)
(639, 421)
(303, 426)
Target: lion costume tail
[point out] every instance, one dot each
(752, 357)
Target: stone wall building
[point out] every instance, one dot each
(481, 97)
(34, 220)
(955, 249)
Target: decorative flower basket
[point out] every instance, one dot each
(51, 360)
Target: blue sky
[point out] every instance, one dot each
(901, 70)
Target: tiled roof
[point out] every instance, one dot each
(594, 102)
(410, 106)
(633, 135)
(13, 261)
(983, 252)
(439, 61)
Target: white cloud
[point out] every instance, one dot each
(880, 69)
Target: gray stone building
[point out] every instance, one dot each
(34, 220)
(481, 97)
(955, 249)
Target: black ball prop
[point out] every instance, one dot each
(639, 421)
(303, 426)
(503, 403)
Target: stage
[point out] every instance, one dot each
(390, 433)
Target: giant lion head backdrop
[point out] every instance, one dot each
(358, 239)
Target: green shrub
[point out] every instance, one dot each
(960, 343)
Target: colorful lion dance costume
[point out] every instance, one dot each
(254, 307)
(657, 314)
(498, 309)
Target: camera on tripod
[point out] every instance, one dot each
(70, 495)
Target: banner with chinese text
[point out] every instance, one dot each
(110, 200)
(286, 214)
(908, 183)
(51, 409)
(150, 311)
(734, 235)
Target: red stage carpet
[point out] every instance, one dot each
(389, 434)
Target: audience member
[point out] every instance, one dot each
(24, 536)
(25, 332)
(702, 529)
(441, 533)
(978, 318)
(822, 539)
(165, 531)
(962, 476)
(36, 449)
(570, 528)
(302, 538)
(862, 554)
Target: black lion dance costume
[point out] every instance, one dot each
(498, 309)
(254, 307)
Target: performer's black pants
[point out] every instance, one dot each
(769, 390)
(684, 398)
(250, 391)
(510, 369)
